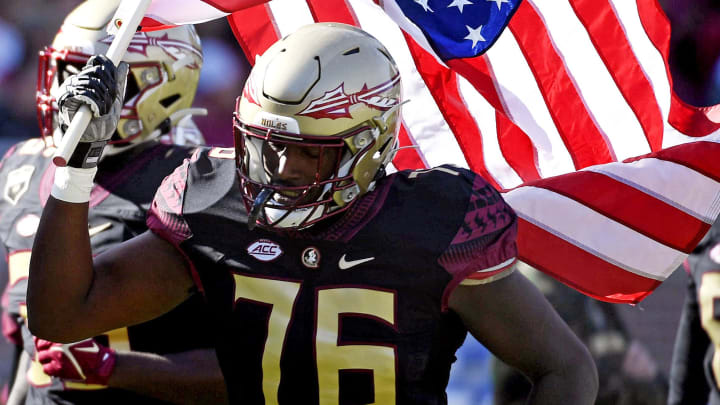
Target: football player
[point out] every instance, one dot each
(695, 367)
(171, 358)
(330, 280)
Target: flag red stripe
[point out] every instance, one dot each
(478, 73)
(407, 158)
(580, 269)
(254, 29)
(443, 86)
(229, 6)
(613, 47)
(151, 24)
(517, 148)
(700, 156)
(340, 12)
(569, 113)
(691, 121)
(637, 210)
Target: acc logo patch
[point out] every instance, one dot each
(264, 250)
(311, 257)
(715, 253)
(17, 184)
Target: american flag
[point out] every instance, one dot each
(554, 113)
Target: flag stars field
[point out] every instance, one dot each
(499, 3)
(424, 4)
(460, 4)
(474, 35)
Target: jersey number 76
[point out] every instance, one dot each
(331, 357)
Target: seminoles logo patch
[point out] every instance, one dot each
(17, 184)
(264, 250)
(336, 104)
(176, 49)
(311, 257)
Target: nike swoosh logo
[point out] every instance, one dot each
(345, 264)
(93, 349)
(100, 228)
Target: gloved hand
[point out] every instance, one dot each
(101, 86)
(86, 361)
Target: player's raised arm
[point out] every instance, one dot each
(70, 295)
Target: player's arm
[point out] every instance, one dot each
(190, 377)
(71, 296)
(514, 321)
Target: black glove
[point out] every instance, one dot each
(101, 86)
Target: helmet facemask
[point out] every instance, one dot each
(274, 204)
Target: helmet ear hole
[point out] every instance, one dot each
(382, 148)
(169, 100)
(131, 88)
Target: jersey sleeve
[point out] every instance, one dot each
(165, 217)
(484, 248)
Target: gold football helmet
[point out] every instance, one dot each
(330, 86)
(164, 73)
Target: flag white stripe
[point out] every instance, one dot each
(290, 15)
(602, 98)
(674, 137)
(668, 182)
(484, 115)
(649, 57)
(560, 216)
(525, 105)
(431, 132)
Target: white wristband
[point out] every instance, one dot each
(73, 184)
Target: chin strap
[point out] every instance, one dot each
(257, 207)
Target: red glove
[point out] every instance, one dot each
(85, 361)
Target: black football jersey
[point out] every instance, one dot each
(349, 311)
(693, 379)
(124, 189)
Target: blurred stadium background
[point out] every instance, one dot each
(27, 26)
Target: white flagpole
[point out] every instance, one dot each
(129, 14)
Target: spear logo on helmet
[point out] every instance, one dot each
(174, 48)
(336, 104)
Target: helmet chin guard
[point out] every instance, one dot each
(330, 87)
